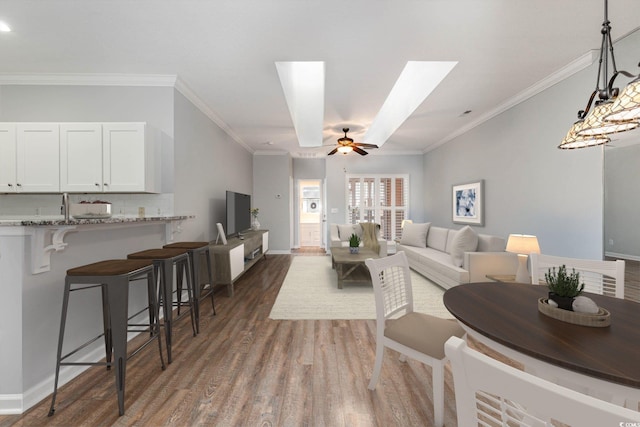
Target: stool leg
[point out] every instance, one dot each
(190, 295)
(179, 274)
(63, 320)
(106, 323)
(118, 301)
(210, 271)
(154, 326)
(166, 282)
(195, 274)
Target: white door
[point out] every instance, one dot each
(38, 157)
(7, 157)
(310, 212)
(81, 157)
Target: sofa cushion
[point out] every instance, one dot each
(487, 243)
(431, 262)
(437, 238)
(346, 230)
(415, 234)
(465, 240)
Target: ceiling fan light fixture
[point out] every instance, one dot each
(626, 107)
(345, 149)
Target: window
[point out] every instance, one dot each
(383, 199)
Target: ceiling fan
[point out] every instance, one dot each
(346, 145)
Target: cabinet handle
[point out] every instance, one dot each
(97, 184)
(10, 185)
(106, 185)
(19, 185)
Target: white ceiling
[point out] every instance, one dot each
(225, 52)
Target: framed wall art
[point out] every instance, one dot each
(468, 203)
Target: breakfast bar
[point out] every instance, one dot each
(35, 253)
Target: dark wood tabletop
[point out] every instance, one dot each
(507, 313)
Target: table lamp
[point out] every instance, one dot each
(523, 245)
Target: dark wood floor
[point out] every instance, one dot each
(244, 369)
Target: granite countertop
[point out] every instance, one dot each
(57, 220)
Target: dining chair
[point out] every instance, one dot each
(599, 276)
(489, 392)
(416, 335)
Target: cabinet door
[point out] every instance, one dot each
(81, 157)
(38, 157)
(265, 242)
(236, 261)
(124, 157)
(7, 157)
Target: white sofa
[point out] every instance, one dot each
(339, 235)
(451, 257)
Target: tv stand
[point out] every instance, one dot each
(240, 253)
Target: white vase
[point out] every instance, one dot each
(255, 225)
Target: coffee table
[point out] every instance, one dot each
(351, 267)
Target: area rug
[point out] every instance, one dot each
(310, 291)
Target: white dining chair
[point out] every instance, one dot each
(599, 276)
(489, 392)
(412, 334)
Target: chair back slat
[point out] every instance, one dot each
(391, 281)
(491, 393)
(599, 276)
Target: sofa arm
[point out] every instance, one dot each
(479, 264)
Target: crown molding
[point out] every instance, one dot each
(149, 80)
(568, 70)
(76, 79)
(188, 93)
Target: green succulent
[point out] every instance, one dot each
(354, 240)
(562, 283)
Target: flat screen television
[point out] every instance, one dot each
(238, 213)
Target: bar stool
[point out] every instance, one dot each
(196, 251)
(164, 261)
(114, 278)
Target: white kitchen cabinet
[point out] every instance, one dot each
(129, 158)
(8, 158)
(81, 157)
(38, 157)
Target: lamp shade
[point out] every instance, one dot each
(572, 141)
(627, 105)
(523, 244)
(594, 123)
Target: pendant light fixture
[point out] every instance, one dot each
(606, 116)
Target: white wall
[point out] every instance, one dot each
(531, 187)
(272, 194)
(207, 163)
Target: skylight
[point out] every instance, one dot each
(303, 86)
(417, 80)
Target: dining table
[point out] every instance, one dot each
(601, 361)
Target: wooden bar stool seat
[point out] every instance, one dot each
(196, 251)
(113, 277)
(164, 260)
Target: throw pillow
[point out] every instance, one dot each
(345, 231)
(415, 235)
(466, 240)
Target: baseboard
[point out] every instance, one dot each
(279, 252)
(622, 256)
(10, 404)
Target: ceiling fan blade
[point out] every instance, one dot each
(363, 145)
(359, 151)
(334, 151)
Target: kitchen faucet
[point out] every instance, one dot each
(64, 209)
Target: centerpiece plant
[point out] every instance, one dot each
(354, 243)
(563, 286)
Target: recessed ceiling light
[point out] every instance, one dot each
(417, 80)
(4, 27)
(303, 86)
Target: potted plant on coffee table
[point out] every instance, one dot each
(563, 286)
(354, 243)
